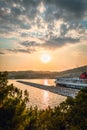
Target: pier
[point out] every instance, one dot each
(69, 92)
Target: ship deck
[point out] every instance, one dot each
(72, 82)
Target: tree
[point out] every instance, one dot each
(13, 111)
(14, 115)
(76, 116)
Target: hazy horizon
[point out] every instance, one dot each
(44, 70)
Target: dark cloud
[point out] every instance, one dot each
(20, 50)
(5, 29)
(20, 16)
(64, 40)
(67, 8)
(10, 11)
(17, 50)
(2, 53)
(63, 29)
(30, 44)
(52, 43)
(24, 34)
(60, 42)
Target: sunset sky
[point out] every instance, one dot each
(30, 29)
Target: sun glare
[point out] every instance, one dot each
(45, 58)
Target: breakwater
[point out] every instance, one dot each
(58, 90)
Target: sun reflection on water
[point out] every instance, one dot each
(46, 98)
(46, 82)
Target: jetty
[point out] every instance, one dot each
(69, 92)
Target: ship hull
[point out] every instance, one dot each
(71, 83)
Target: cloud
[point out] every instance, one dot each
(20, 50)
(60, 42)
(2, 53)
(30, 44)
(16, 51)
(67, 9)
(50, 23)
(52, 43)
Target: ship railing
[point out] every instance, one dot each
(73, 80)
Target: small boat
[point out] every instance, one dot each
(76, 83)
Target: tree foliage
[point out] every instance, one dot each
(14, 115)
(13, 111)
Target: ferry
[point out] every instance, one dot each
(76, 83)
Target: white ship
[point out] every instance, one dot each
(77, 83)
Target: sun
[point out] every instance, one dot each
(45, 58)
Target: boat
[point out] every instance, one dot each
(77, 83)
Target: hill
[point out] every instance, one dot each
(75, 72)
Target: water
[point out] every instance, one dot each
(38, 97)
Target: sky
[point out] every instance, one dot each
(32, 28)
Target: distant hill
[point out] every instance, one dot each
(73, 72)
(46, 74)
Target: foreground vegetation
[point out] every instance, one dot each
(14, 115)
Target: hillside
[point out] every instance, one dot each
(46, 74)
(73, 72)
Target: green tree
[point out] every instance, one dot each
(13, 111)
(14, 115)
(76, 116)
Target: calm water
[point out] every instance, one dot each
(40, 98)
